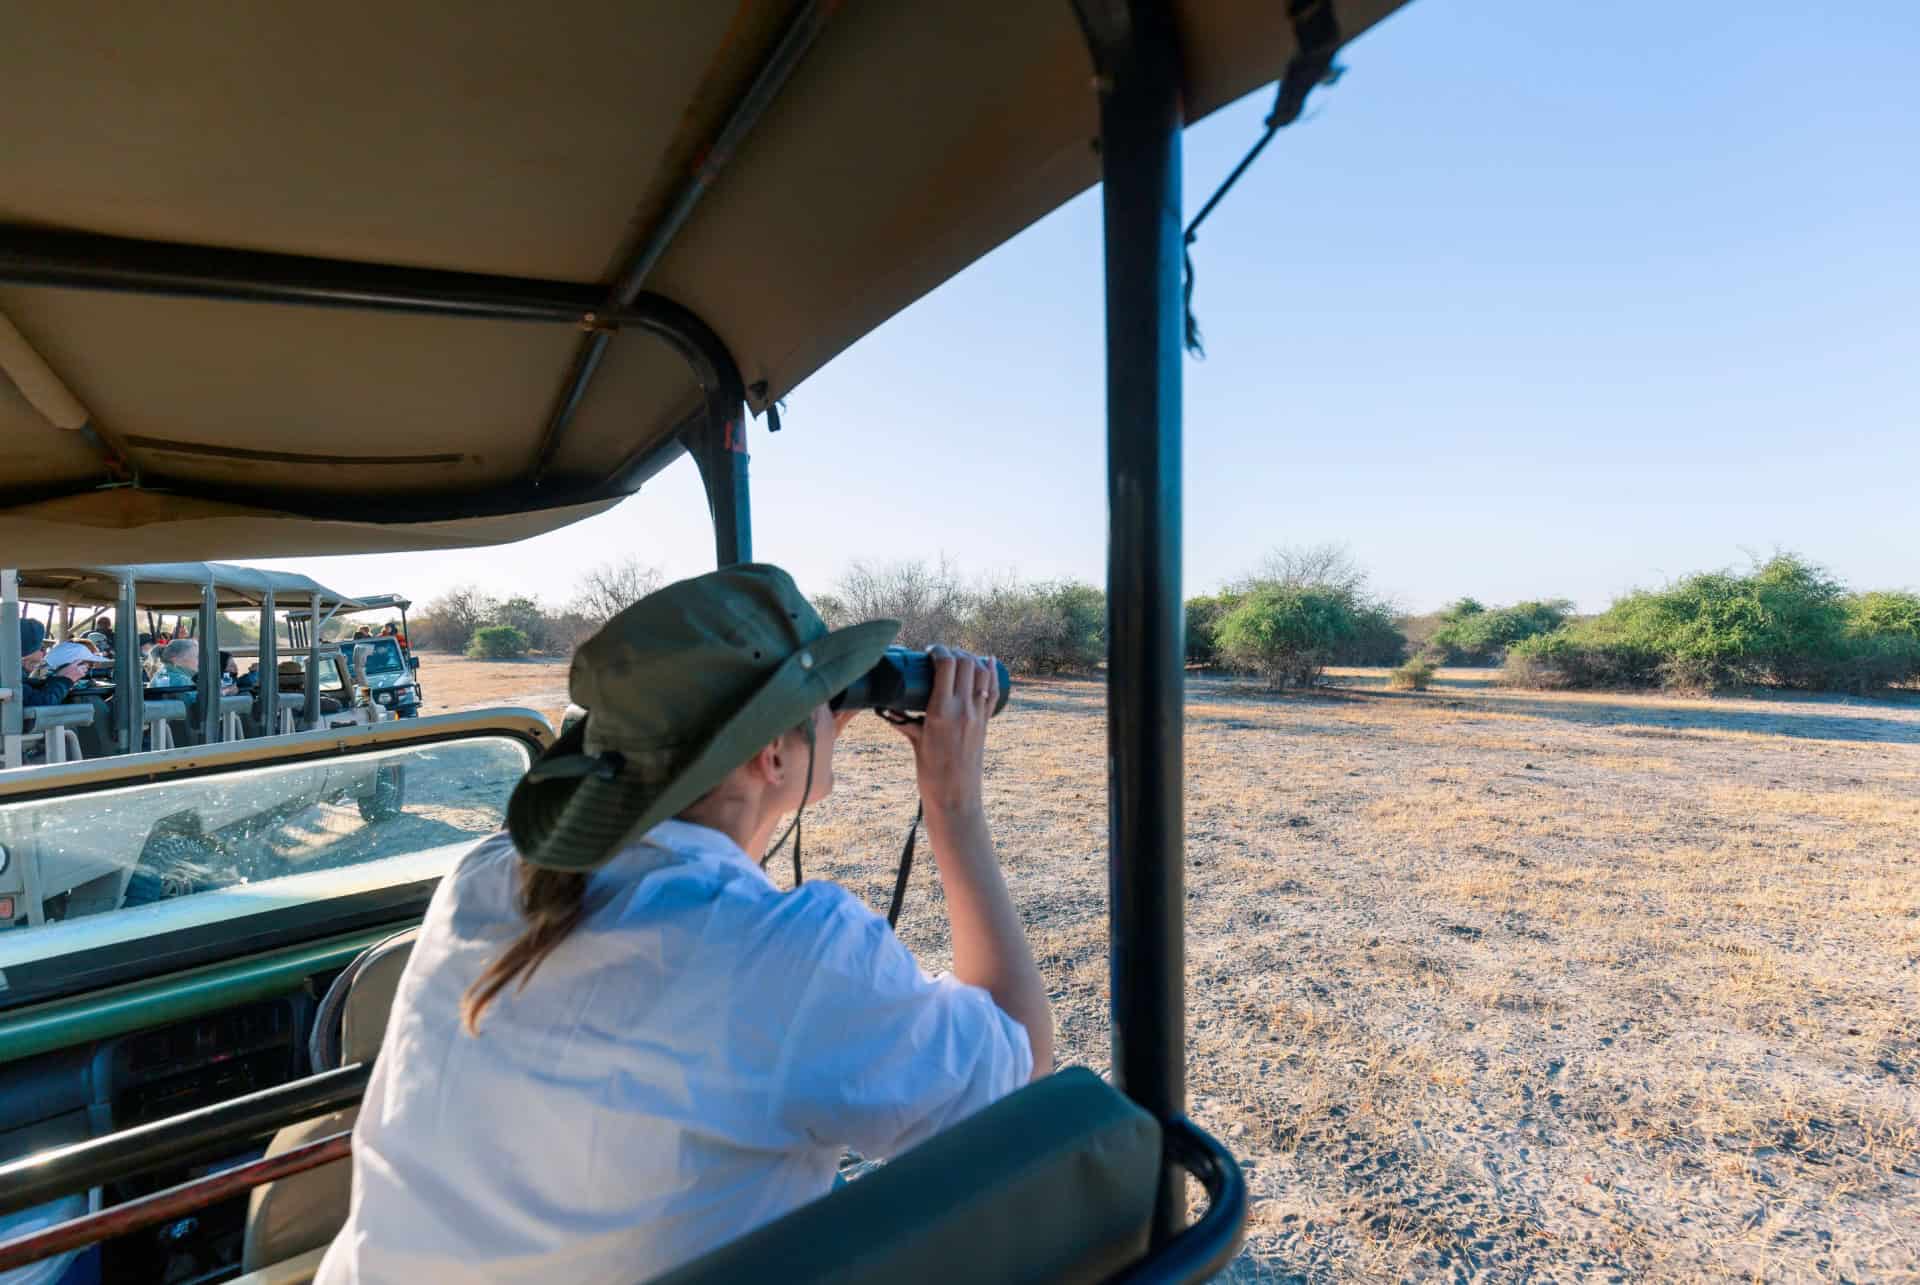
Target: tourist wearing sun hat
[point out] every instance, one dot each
(618, 1043)
(54, 688)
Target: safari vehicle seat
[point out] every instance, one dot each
(1055, 1183)
(288, 1217)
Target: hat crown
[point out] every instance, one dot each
(672, 667)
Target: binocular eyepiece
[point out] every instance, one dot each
(903, 681)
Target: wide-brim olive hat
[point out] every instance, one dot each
(680, 689)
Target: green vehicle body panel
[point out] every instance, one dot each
(103, 1014)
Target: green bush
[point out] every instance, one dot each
(1377, 639)
(1286, 633)
(1561, 660)
(1881, 647)
(1414, 676)
(1892, 614)
(1038, 628)
(1203, 626)
(497, 642)
(1471, 634)
(1785, 623)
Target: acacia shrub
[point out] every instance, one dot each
(497, 642)
(1785, 623)
(447, 623)
(930, 600)
(1414, 676)
(1045, 628)
(1472, 634)
(1203, 626)
(1304, 608)
(1377, 638)
(1287, 634)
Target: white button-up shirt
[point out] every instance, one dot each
(686, 1066)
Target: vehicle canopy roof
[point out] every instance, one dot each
(177, 586)
(367, 602)
(516, 165)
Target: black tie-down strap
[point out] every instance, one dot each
(898, 719)
(906, 867)
(1316, 39)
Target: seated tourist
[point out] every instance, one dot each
(53, 687)
(179, 664)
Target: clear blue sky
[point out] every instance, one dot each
(1532, 304)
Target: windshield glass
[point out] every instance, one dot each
(293, 672)
(207, 856)
(382, 656)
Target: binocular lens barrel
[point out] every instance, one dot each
(903, 680)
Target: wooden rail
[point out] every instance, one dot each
(171, 1203)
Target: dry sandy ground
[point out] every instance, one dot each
(1489, 985)
(452, 683)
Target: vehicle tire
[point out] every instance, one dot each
(389, 796)
(172, 865)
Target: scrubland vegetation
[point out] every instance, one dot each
(1490, 983)
(1783, 623)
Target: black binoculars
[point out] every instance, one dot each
(902, 681)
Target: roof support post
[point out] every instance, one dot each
(718, 444)
(130, 680)
(207, 680)
(13, 715)
(267, 688)
(310, 716)
(1136, 55)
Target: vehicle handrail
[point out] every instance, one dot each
(182, 1139)
(1203, 1250)
(1198, 1253)
(174, 1202)
(59, 715)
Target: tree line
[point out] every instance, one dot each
(1784, 622)
(468, 619)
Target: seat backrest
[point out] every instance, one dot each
(352, 1017)
(301, 1213)
(1055, 1183)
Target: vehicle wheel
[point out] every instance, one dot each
(172, 865)
(389, 796)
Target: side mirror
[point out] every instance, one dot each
(413, 662)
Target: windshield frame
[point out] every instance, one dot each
(381, 645)
(34, 981)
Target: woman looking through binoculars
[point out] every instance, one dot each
(617, 1044)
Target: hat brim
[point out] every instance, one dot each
(578, 823)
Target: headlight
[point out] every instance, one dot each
(385, 698)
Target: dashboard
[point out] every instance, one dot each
(78, 1093)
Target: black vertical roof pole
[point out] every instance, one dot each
(1137, 61)
(718, 444)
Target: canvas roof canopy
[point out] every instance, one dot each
(177, 586)
(564, 181)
